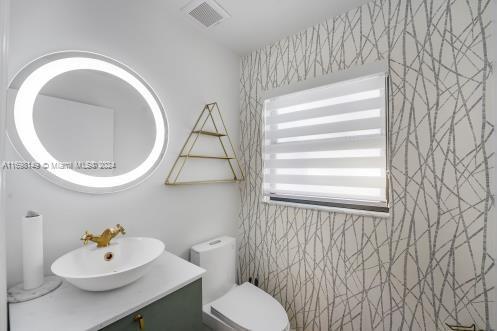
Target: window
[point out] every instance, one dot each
(327, 146)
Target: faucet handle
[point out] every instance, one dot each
(86, 237)
(120, 228)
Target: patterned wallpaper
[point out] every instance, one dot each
(433, 261)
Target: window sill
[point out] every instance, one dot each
(329, 209)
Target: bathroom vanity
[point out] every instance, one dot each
(168, 297)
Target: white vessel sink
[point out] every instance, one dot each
(100, 269)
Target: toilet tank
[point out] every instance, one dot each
(218, 257)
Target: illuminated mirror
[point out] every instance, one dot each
(86, 122)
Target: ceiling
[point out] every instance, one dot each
(255, 23)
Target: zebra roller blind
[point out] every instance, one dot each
(328, 145)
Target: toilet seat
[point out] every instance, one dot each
(247, 307)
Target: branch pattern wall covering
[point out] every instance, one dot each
(432, 262)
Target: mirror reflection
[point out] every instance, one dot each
(88, 115)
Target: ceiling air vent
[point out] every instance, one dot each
(206, 12)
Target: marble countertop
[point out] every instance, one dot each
(69, 308)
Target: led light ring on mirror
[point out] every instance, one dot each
(24, 124)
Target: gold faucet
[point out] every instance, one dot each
(104, 239)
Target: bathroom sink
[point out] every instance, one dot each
(100, 269)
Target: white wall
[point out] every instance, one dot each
(4, 15)
(184, 69)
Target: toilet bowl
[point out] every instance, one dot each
(227, 306)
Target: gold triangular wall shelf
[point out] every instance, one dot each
(219, 132)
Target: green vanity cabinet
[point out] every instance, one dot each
(178, 311)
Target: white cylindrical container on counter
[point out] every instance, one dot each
(34, 283)
(32, 250)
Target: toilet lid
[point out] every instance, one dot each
(247, 307)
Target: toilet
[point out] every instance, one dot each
(227, 306)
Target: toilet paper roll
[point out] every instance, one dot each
(32, 250)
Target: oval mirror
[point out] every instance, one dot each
(86, 122)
